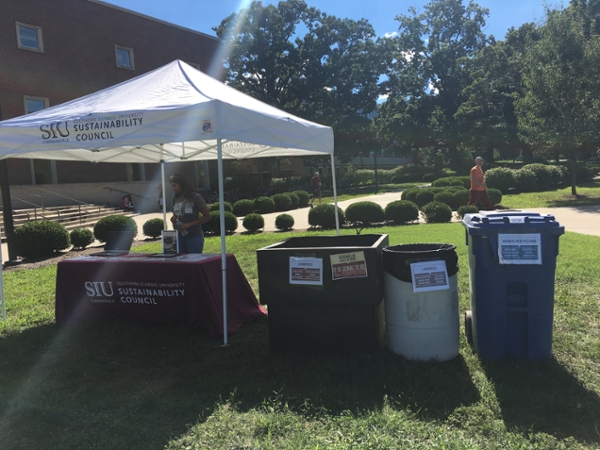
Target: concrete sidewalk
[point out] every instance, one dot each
(581, 219)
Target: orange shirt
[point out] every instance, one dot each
(477, 174)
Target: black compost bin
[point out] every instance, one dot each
(324, 293)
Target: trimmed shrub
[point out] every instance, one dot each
(365, 212)
(495, 196)
(283, 202)
(466, 181)
(461, 197)
(543, 174)
(213, 226)
(153, 227)
(424, 196)
(295, 200)
(114, 222)
(303, 198)
(41, 238)
(253, 222)
(501, 178)
(81, 237)
(243, 207)
(410, 194)
(441, 182)
(284, 222)
(216, 207)
(526, 180)
(429, 177)
(437, 212)
(559, 175)
(584, 174)
(264, 205)
(401, 211)
(446, 197)
(324, 216)
(467, 209)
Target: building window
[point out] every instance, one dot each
(124, 57)
(33, 104)
(29, 37)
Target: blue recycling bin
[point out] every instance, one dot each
(512, 263)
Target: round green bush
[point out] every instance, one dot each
(253, 222)
(429, 177)
(401, 211)
(467, 209)
(559, 175)
(543, 173)
(264, 205)
(324, 216)
(295, 200)
(526, 180)
(243, 207)
(153, 227)
(217, 207)
(501, 178)
(81, 237)
(114, 222)
(283, 202)
(446, 197)
(365, 212)
(437, 212)
(213, 226)
(424, 196)
(495, 196)
(410, 194)
(284, 222)
(303, 198)
(41, 238)
(442, 182)
(461, 197)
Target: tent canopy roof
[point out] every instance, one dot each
(174, 113)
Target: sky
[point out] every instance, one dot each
(203, 15)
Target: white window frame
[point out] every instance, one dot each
(37, 29)
(131, 65)
(31, 97)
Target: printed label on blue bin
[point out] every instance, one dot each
(306, 271)
(520, 248)
(348, 265)
(429, 276)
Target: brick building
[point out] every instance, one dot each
(59, 50)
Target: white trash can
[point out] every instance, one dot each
(421, 300)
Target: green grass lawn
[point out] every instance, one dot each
(121, 385)
(587, 194)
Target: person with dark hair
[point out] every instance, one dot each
(315, 184)
(126, 203)
(189, 213)
(478, 188)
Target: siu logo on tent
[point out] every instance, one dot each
(55, 130)
(207, 126)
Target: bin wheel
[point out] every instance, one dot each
(469, 327)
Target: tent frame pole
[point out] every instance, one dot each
(223, 244)
(335, 201)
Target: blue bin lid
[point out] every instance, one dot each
(517, 221)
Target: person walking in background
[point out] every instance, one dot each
(189, 213)
(315, 184)
(478, 188)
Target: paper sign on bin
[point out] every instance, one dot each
(306, 271)
(348, 265)
(520, 248)
(429, 276)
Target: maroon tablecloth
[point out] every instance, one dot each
(186, 289)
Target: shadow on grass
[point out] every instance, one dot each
(545, 397)
(124, 385)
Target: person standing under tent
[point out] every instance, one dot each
(315, 184)
(189, 213)
(478, 188)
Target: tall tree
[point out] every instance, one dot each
(308, 63)
(433, 48)
(560, 110)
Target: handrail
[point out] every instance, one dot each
(65, 196)
(127, 192)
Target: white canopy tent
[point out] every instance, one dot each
(174, 113)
